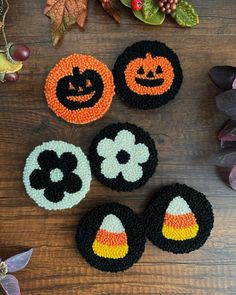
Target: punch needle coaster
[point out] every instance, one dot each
(123, 156)
(79, 89)
(147, 74)
(179, 219)
(111, 237)
(57, 175)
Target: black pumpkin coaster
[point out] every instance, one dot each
(123, 156)
(57, 175)
(147, 74)
(179, 219)
(111, 237)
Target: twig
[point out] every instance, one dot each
(4, 19)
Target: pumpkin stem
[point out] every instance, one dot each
(148, 56)
(76, 72)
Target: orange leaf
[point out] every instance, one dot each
(65, 13)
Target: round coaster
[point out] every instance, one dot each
(123, 156)
(57, 175)
(147, 74)
(179, 219)
(79, 89)
(111, 237)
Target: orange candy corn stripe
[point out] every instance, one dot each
(180, 221)
(111, 239)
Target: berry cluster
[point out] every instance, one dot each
(12, 55)
(167, 6)
(15, 53)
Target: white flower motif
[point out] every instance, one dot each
(123, 155)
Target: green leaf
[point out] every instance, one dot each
(150, 13)
(126, 3)
(185, 14)
(149, 9)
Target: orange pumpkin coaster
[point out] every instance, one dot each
(79, 89)
(147, 74)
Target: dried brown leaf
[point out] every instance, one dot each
(65, 13)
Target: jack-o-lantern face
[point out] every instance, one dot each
(79, 89)
(148, 74)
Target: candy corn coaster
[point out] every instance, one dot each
(111, 237)
(57, 175)
(79, 89)
(179, 219)
(147, 74)
(123, 156)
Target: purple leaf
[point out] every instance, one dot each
(224, 158)
(226, 102)
(234, 84)
(232, 178)
(228, 144)
(228, 132)
(223, 76)
(10, 285)
(19, 261)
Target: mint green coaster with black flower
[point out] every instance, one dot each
(57, 175)
(123, 156)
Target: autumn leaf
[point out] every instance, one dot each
(65, 13)
(108, 6)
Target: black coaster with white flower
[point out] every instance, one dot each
(123, 156)
(179, 219)
(111, 237)
(57, 175)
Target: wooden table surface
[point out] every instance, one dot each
(184, 132)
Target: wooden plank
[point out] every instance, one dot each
(184, 132)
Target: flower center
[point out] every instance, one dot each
(123, 157)
(3, 270)
(56, 175)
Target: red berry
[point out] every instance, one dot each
(19, 52)
(136, 5)
(11, 77)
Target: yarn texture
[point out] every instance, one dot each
(111, 237)
(79, 89)
(179, 219)
(57, 175)
(123, 156)
(147, 74)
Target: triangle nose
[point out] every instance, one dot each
(150, 74)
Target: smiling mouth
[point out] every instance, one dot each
(81, 98)
(149, 82)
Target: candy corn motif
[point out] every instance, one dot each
(179, 223)
(111, 239)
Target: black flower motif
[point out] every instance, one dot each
(55, 175)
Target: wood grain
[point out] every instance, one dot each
(184, 132)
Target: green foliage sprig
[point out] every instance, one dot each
(184, 14)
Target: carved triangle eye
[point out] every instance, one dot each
(159, 70)
(140, 71)
(71, 86)
(88, 83)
